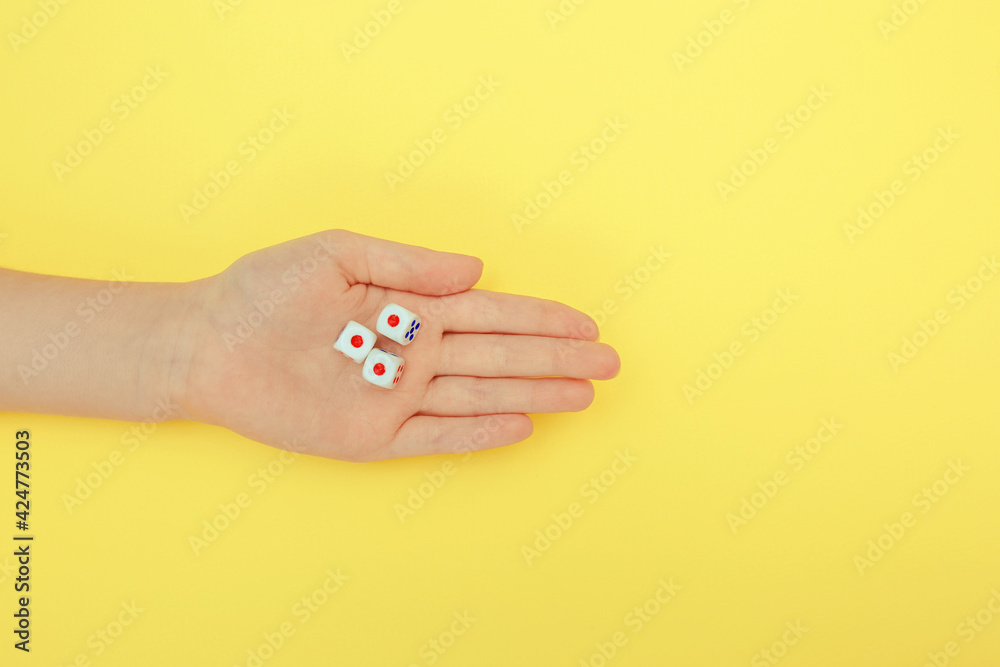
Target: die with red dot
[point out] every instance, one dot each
(383, 368)
(398, 324)
(355, 342)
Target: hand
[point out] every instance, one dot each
(262, 363)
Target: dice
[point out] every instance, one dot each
(398, 324)
(355, 342)
(383, 368)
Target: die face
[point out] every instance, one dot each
(398, 324)
(355, 342)
(383, 368)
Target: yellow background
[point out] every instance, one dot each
(655, 186)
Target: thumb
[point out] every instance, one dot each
(410, 268)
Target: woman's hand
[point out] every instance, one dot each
(258, 356)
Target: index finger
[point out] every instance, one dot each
(482, 311)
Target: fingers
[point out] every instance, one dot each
(456, 396)
(422, 435)
(365, 259)
(481, 311)
(492, 355)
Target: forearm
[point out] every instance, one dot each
(93, 348)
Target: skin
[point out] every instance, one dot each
(250, 349)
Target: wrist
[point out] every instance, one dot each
(175, 337)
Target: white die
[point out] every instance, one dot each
(383, 368)
(355, 341)
(398, 324)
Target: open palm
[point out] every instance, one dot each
(263, 365)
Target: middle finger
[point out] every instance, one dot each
(498, 355)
